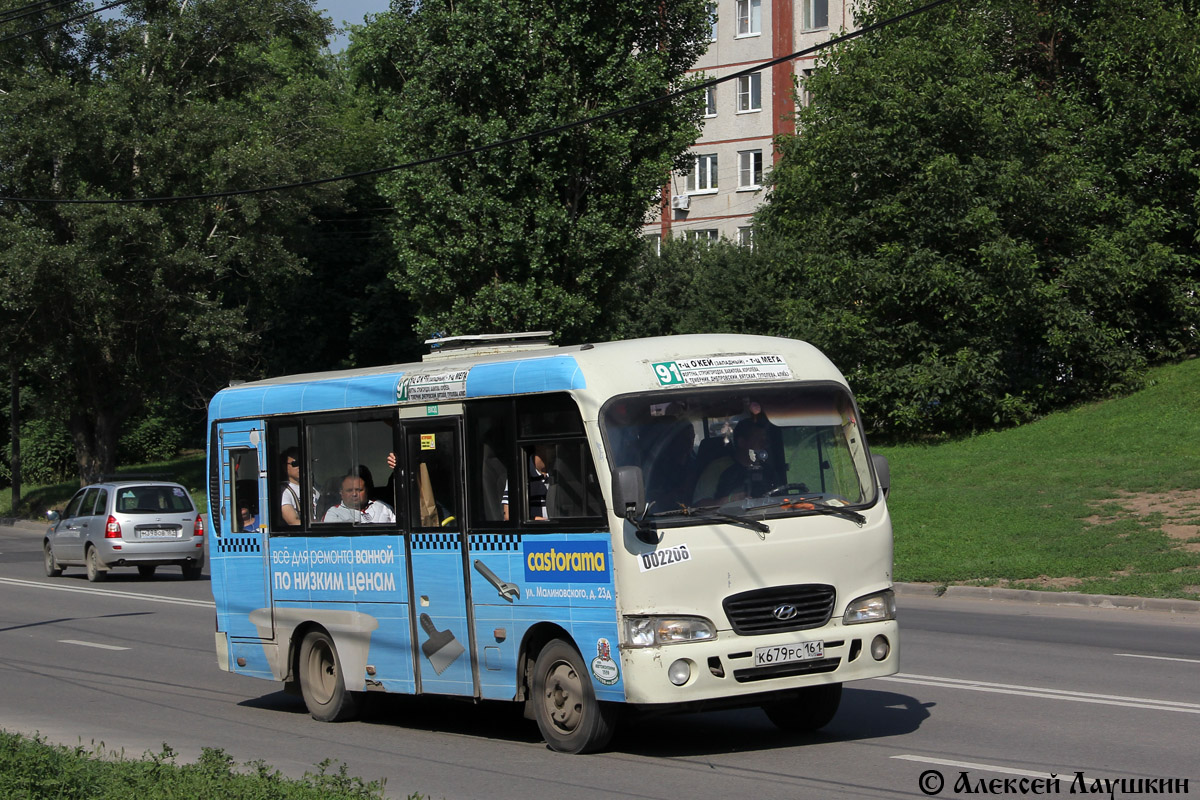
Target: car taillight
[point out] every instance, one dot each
(113, 529)
(198, 528)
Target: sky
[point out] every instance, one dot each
(352, 11)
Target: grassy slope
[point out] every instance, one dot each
(1014, 506)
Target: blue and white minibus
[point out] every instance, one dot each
(649, 525)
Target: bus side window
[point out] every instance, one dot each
(559, 477)
(286, 484)
(491, 451)
(243, 477)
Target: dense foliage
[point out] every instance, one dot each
(991, 209)
(538, 234)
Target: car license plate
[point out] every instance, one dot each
(786, 653)
(158, 533)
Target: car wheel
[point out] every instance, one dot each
(95, 572)
(321, 681)
(147, 570)
(53, 570)
(568, 714)
(813, 708)
(191, 572)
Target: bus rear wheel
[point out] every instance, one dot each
(809, 710)
(568, 714)
(321, 681)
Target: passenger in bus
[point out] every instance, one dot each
(289, 505)
(357, 506)
(540, 463)
(746, 475)
(247, 519)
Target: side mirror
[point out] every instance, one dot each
(52, 516)
(628, 492)
(883, 473)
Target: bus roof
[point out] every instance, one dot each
(598, 371)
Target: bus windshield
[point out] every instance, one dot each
(780, 449)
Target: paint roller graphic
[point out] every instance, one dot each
(441, 648)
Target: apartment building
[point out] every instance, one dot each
(735, 152)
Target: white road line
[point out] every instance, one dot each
(1048, 694)
(91, 644)
(153, 598)
(1159, 658)
(972, 765)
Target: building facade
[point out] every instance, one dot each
(735, 152)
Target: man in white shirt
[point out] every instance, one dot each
(290, 501)
(356, 506)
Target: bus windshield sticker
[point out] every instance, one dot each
(657, 559)
(429, 387)
(720, 369)
(429, 441)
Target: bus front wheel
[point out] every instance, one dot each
(813, 708)
(568, 714)
(321, 681)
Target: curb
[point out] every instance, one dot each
(1047, 598)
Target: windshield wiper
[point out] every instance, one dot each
(818, 506)
(704, 514)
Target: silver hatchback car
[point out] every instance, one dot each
(143, 524)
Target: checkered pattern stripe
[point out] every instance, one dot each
(239, 544)
(434, 541)
(495, 542)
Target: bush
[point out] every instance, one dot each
(47, 453)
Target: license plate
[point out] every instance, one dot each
(787, 653)
(158, 533)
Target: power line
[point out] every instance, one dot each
(62, 22)
(494, 145)
(33, 8)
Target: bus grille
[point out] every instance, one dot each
(786, 670)
(753, 613)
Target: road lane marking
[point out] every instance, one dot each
(91, 644)
(1159, 658)
(1047, 694)
(153, 598)
(972, 765)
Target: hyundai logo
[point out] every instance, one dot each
(784, 612)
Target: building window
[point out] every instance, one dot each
(749, 17)
(814, 14)
(746, 237)
(750, 169)
(654, 242)
(805, 92)
(710, 108)
(749, 93)
(709, 235)
(703, 177)
(712, 16)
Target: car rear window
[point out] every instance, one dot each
(153, 499)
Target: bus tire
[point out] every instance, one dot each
(568, 714)
(321, 681)
(809, 710)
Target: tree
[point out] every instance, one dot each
(125, 302)
(538, 233)
(982, 216)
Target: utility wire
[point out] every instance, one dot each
(494, 145)
(62, 22)
(33, 8)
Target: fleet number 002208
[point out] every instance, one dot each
(784, 653)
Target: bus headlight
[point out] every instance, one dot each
(651, 631)
(871, 608)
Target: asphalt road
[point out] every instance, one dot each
(991, 694)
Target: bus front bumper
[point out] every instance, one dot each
(730, 670)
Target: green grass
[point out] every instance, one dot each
(1045, 505)
(31, 769)
(188, 470)
(1040, 506)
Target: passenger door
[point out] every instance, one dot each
(239, 559)
(444, 650)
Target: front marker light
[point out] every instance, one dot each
(652, 631)
(871, 608)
